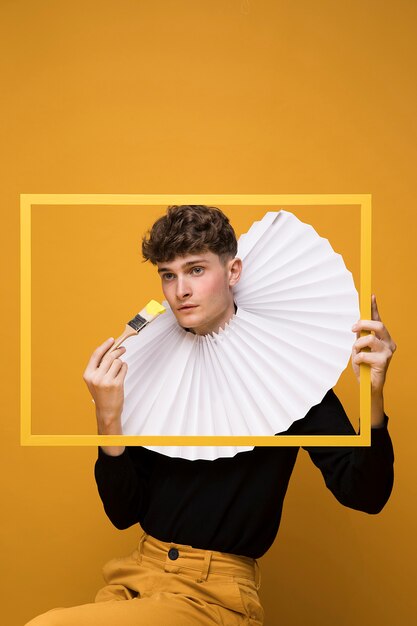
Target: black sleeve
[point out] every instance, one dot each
(122, 487)
(360, 478)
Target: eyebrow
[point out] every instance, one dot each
(184, 265)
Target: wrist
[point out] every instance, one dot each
(112, 428)
(109, 426)
(377, 409)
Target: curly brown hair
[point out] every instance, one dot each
(186, 229)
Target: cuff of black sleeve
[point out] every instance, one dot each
(378, 431)
(112, 460)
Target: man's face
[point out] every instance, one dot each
(198, 288)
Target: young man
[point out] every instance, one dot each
(205, 523)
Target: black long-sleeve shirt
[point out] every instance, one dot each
(234, 504)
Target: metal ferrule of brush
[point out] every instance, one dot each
(138, 322)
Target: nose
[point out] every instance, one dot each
(183, 288)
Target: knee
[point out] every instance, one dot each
(53, 617)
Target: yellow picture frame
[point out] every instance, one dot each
(27, 201)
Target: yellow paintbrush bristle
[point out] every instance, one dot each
(153, 308)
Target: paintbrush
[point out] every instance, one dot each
(144, 317)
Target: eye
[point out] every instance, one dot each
(197, 270)
(167, 276)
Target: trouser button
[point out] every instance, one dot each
(173, 554)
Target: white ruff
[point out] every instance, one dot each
(287, 345)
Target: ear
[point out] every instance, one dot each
(234, 271)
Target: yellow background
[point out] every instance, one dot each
(225, 96)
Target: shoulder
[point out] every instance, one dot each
(328, 417)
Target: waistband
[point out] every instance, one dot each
(178, 557)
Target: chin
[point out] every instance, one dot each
(186, 322)
(193, 326)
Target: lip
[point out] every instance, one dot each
(187, 306)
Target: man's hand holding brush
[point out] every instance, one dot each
(105, 375)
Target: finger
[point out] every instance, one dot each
(114, 368)
(370, 341)
(370, 358)
(108, 359)
(372, 325)
(98, 355)
(122, 372)
(374, 307)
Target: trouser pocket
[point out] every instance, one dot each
(250, 601)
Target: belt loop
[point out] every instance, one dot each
(140, 546)
(206, 566)
(257, 575)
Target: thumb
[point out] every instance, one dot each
(374, 307)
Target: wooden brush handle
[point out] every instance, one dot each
(128, 332)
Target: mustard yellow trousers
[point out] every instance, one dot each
(169, 584)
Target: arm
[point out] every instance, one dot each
(121, 483)
(360, 478)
